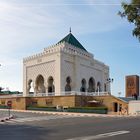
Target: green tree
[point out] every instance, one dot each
(132, 13)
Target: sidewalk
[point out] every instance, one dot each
(68, 113)
(6, 118)
(5, 115)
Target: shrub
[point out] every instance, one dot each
(3, 107)
(99, 110)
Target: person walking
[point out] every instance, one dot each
(120, 109)
(135, 96)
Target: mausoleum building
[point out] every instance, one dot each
(64, 68)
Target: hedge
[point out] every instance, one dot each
(41, 108)
(3, 107)
(99, 110)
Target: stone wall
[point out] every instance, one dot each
(51, 101)
(134, 107)
(18, 103)
(110, 102)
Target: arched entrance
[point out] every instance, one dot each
(40, 88)
(83, 85)
(98, 87)
(91, 85)
(68, 84)
(51, 87)
(30, 87)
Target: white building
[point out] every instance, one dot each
(64, 67)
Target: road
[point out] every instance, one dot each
(32, 126)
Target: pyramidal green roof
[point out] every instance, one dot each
(73, 41)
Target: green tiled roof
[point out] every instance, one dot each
(73, 41)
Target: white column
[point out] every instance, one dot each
(77, 82)
(58, 70)
(24, 80)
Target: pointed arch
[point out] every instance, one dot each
(40, 88)
(98, 86)
(68, 84)
(83, 85)
(51, 87)
(30, 86)
(91, 85)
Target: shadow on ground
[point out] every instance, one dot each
(23, 132)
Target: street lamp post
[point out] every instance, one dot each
(119, 93)
(110, 80)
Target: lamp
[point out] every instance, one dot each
(110, 80)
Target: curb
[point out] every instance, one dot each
(69, 113)
(59, 113)
(6, 118)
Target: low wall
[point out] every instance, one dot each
(134, 107)
(69, 101)
(51, 101)
(17, 102)
(21, 103)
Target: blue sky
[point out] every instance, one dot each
(28, 26)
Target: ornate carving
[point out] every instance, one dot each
(39, 60)
(130, 84)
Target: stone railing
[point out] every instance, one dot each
(11, 95)
(70, 93)
(58, 94)
(87, 93)
(41, 94)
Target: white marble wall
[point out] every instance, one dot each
(61, 61)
